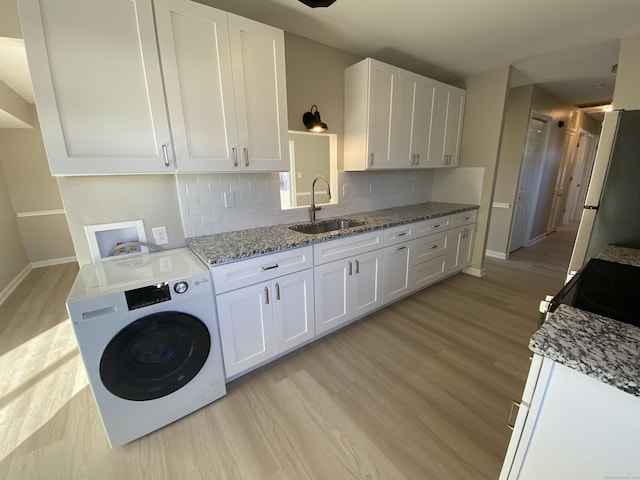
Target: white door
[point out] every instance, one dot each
(293, 309)
(558, 204)
(528, 183)
(246, 327)
(405, 118)
(260, 92)
(196, 62)
(423, 119)
(98, 85)
(580, 174)
(397, 279)
(446, 128)
(331, 299)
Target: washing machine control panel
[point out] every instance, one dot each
(166, 291)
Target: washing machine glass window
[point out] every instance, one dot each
(155, 356)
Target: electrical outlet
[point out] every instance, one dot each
(160, 235)
(345, 190)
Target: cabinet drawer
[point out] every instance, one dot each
(464, 218)
(433, 225)
(345, 247)
(247, 272)
(430, 271)
(429, 247)
(399, 234)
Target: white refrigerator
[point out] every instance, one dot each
(611, 212)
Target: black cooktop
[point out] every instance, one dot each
(606, 288)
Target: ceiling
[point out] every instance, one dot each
(566, 47)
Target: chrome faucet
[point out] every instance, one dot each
(313, 207)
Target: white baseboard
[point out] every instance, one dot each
(476, 272)
(494, 254)
(55, 261)
(8, 290)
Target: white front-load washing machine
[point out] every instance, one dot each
(148, 334)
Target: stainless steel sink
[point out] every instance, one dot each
(326, 226)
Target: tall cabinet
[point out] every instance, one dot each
(153, 86)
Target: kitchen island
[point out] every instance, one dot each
(579, 416)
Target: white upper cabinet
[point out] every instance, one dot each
(98, 86)
(446, 129)
(196, 63)
(416, 95)
(260, 93)
(396, 119)
(371, 91)
(100, 89)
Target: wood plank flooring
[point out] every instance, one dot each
(418, 390)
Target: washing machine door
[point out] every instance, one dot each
(155, 355)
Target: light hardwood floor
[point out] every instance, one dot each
(418, 390)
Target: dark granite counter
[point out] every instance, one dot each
(241, 244)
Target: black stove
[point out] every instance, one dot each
(606, 288)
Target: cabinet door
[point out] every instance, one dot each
(383, 89)
(446, 129)
(196, 62)
(98, 86)
(397, 275)
(331, 299)
(364, 289)
(423, 118)
(257, 57)
(293, 310)
(430, 271)
(416, 95)
(246, 327)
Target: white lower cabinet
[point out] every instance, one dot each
(570, 425)
(398, 275)
(263, 320)
(271, 304)
(346, 289)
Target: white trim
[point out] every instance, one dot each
(476, 272)
(40, 213)
(494, 254)
(53, 261)
(8, 290)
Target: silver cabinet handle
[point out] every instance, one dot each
(464, 219)
(357, 267)
(433, 247)
(277, 291)
(166, 155)
(271, 267)
(266, 295)
(234, 150)
(350, 268)
(401, 234)
(417, 159)
(511, 424)
(401, 248)
(246, 157)
(435, 226)
(371, 159)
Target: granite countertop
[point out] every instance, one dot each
(232, 246)
(600, 347)
(613, 253)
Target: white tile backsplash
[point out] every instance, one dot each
(458, 185)
(257, 198)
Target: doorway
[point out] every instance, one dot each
(580, 176)
(529, 181)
